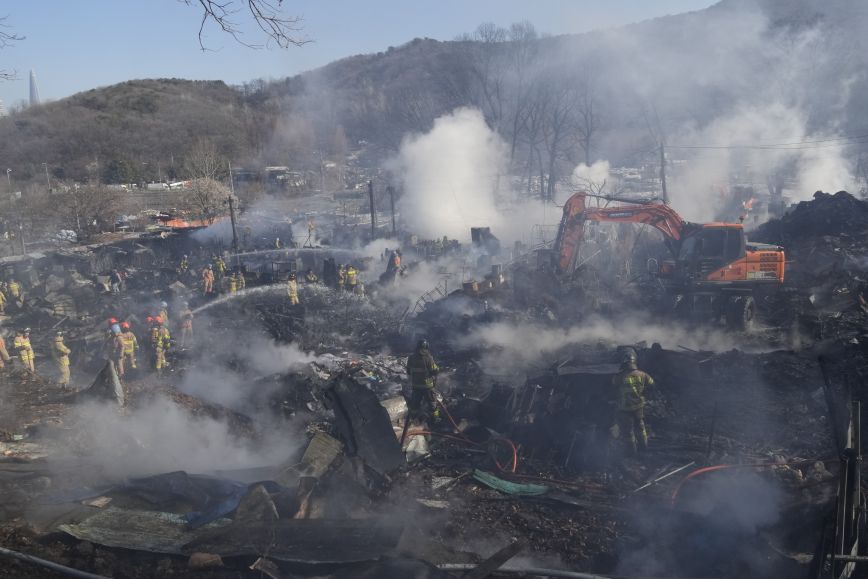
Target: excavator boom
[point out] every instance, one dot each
(571, 231)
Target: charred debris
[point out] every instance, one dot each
(278, 442)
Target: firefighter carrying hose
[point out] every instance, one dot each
(631, 384)
(422, 371)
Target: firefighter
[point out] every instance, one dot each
(164, 313)
(422, 371)
(352, 278)
(183, 266)
(311, 277)
(61, 353)
(14, 290)
(631, 384)
(116, 351)
(4, 354)
(233, 283)
(186, 325)
(25, 350)
(2, 301)
(242, 282)
(152, 339)
(161, 345)
(131, 345)
(219, 267)
(208, 280)
(292, 290)
(342, 276)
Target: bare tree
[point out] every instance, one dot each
(87, 210)
(7, 38)
(266, 15)
(587, 117)
(203, 161)
(205, 197)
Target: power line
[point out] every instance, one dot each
(793, 146)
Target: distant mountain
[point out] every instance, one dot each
(675, 75)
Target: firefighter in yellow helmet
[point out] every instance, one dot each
(422, 371)
(25, 350)
(61, 353)
(130, 347)
(233, 283)
(161, 345)
(630, 385)
(184, 265)
(292, 290)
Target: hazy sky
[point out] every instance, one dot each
(75, 45)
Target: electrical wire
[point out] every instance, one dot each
(792, 146)
(50, 565)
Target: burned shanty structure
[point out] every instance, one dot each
(365, 410)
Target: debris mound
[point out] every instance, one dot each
(826, 215)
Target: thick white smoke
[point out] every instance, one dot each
(450, 176)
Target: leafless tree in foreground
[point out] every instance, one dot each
(7, 38)
(266, 14)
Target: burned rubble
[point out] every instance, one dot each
(282, 439)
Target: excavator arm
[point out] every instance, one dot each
(572, 228)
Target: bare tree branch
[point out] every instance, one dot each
(7, 39)
(266, 14)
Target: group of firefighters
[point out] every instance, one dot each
(628, 392)
(10, 290)
(122, 345)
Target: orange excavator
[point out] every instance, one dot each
(713, 270)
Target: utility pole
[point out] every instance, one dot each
(663, 173)
(47, 180)
(391, 191)
(373, 212)
(232, 214)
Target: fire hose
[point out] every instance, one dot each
(50, 565)
(719, 467)
(460, 437)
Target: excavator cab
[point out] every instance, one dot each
(711, 248)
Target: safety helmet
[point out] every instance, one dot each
(125, 325)
(59, 333)
(628, 359)
(292, 276)
(149, 319)
(159, 320)
(112, 321)
(185, 256)
(164, 305)
(422, 345)
(116, 329)
(26, 330)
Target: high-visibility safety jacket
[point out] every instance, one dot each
(184, 266)
(2, 298)
(24, 349)
(631, 387)
(233, 283)
(60, 352)
(163, 339)
(155, 332)
(131, 344)
(352, 276)
(14, 289)
(421, 369)
(292, 288)
(311, 277)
